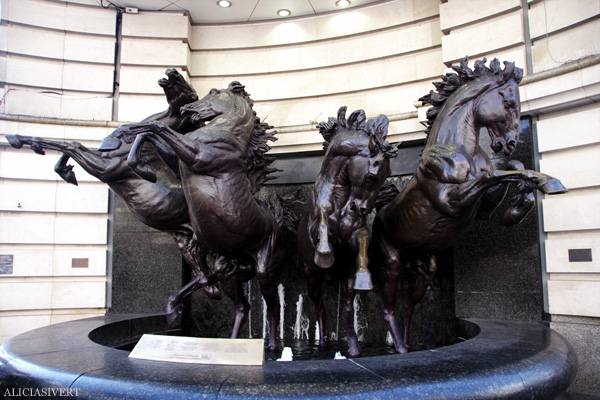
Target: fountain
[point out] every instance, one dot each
(454, 351)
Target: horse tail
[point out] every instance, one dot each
(281, 208)
(387, 193)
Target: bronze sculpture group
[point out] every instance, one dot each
(194, 170)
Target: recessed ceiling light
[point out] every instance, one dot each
(224, 3)
(284, 13)
(342, 3)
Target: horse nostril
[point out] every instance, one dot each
(511, 145)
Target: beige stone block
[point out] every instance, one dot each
(566, 46)
(80, 229)
(461, 12)
(86, 48)
(573, 212)
(159, 52)
(29, 260)
(46, 131)
(63, 261)
(90, 106)
(37, 13)
(25, 295)
(34, 72)
(24, 164)
(18, 228)
(569, 128)
(90, 20)
(576, 167)
(13, 325)
(35, 42)
(558, 84)
(557, 253)
(77, 76)
(137, 107)
(24, 196)
(19, 101)
(484, 37)
(551, 15)
(79, 294)
(85, 198)
(156, 25)
(574, 298)
(92, 134)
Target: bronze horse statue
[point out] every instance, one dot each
(160, 205)
(226, 218)
(333, 238)
(455, 181)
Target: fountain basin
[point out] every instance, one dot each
(500, 360)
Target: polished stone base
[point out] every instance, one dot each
(501, 360)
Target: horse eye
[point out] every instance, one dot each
(213, 92)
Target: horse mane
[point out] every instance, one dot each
(376, 128)
(257, 163)
(451, 82)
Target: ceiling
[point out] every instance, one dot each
(208, 12)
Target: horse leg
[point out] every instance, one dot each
(391, 271)
(268, 270)
(65, 171)
(362, 277)
(324, 257)
(105, 169)
(419, 279)
(233, 287)
(314, 288)
(195, 258)
(348, 313)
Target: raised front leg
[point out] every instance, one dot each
(65, 171)
(362, 277)
(324, 256)
(106, 169)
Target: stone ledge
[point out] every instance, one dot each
(505, 360)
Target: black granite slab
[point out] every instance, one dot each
(504, 360)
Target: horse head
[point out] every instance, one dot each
(498, 110)
(491, 93)
(177, 90)
(229, 107)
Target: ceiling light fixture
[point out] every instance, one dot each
(342, 3)
(224, 3)
(284, 13)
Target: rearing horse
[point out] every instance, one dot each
(333, 238)
(160, 205)
(455, 181)
(226, 218)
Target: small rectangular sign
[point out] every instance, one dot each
(6, 264)
(193, 350)
(580, 255)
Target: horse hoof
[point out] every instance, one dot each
(67, 174)
(324, 260)
(553, 186)
(353, 354)
(14, 141)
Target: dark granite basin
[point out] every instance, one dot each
(501, 360)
